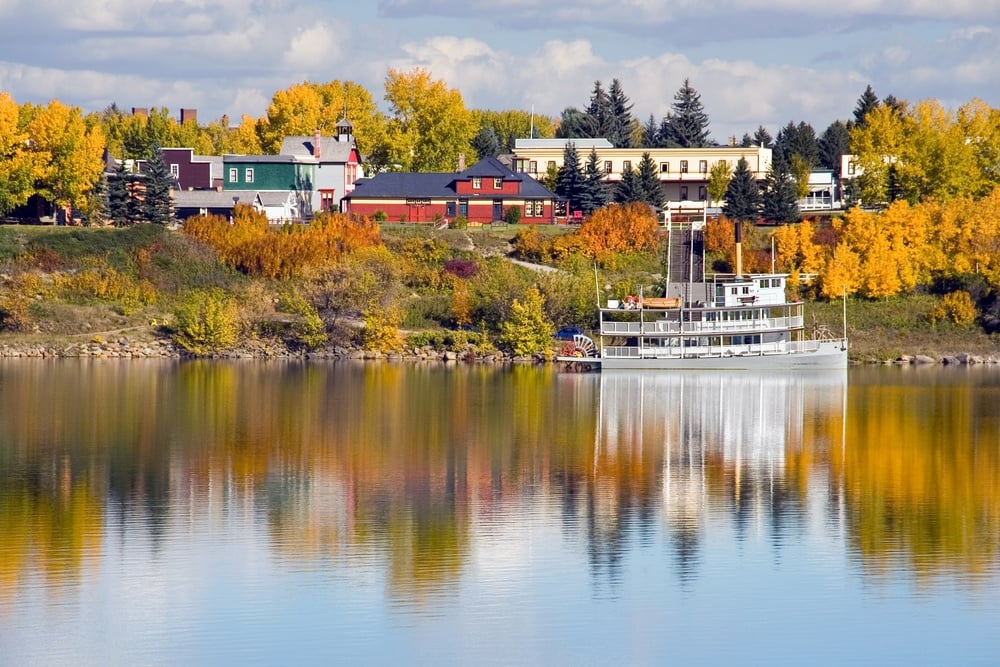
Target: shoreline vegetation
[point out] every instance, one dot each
(354, 289)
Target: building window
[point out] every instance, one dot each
(534, 209)
(249, 175)
(684, 166)
(234, 174)
(498, 183)
(850, 168)
(463, 207)
(722, 163)
(607, 166)
(665, 167)
(627, 165)
(684, 193)
(449, 209)
(326, 200)
(175, 170)
(551, 164)
(477, 182)
(350, 174)
(702, 193)
(533, 167)
(703, 166)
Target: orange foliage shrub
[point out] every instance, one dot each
(619, 228)
(251, 246)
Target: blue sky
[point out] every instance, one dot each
(753, 61)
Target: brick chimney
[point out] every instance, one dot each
(189, 115)
(316, 142)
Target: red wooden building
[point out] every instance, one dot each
(482, 193)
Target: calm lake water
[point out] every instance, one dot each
(202, 513)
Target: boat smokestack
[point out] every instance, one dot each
(738, 229)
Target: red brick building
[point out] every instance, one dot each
(482, 193)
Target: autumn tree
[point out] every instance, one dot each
(429, 127)
(842, 274)
(19, 166)
(70, 152)
(619, 228)
(527, 330)
(718, 180)
(512, 124)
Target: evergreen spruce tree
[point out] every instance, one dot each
(628, 187)
(649, 189)
(763, 138)
(866, 103)
(569, 181)
(746, 141)
(620, 133)
(833, 143)
(135, 208)
(157, 204)
(686, 126)
(95, 212)
(650, 133)
(486, 143)
(779, 200)
(742, 195)
(600, 112)
(575, 124)
(118, 197)
(797, 140)
(593, 195)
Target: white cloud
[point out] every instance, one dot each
(317, 44)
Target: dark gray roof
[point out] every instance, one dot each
(330, 150)
(437, 185)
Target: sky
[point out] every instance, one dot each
(754, 62)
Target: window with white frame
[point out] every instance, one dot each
(533, 167)
(607, 167)
(684, 166)
(665, 167)
(248, 174)
(234, 174)
(626, 165)
(477, 183)
(498, 183)
(703, 166)
(175, 170)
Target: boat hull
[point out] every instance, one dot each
(828, 355)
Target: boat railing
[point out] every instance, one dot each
(700, 327)
(676, 351)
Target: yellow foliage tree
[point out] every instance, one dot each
(19, 166)
(527, 330)
(842, 274)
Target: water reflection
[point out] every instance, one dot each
(424, 476)
(728, 445)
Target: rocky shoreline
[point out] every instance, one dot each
(164, 348)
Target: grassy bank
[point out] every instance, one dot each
(72, 284)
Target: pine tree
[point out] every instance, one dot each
(95, 212)
(118, 197)
(486, 143)
(600, 111)
(569, 182)
(763, 138)
(833, 143)
(593, 195)
(866, 103)
(650, 133)
(649, 189)
(742, 195)
(746, 141)
(628, 187)
(779, 200)
(157, 204)
(620, 133)
(796, 140)
(686, 126)
(575, 124)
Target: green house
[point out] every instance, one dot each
(280, 185)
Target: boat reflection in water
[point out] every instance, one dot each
(731, 445)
